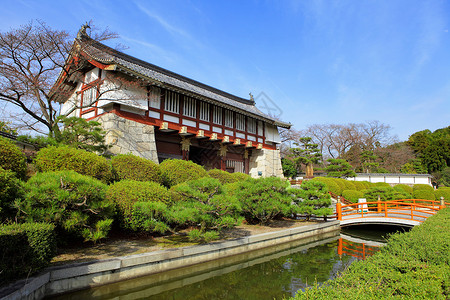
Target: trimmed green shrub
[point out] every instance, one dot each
(127, 193)
(238, 176)
(175, 171)
(381, 184)
(347, 184)
(150, 216)
(312, 199)
(424, 194)
(360, 185)
(129, 166)
(67, 158)
(223, 176)
(366, 184)
(10, 190)
(423, 187)
(202, 202)
(11, 158)
(263, 199)
(332, 186)
(403, 187)
(340, 184)
(352, 195)
(386, 193)
(413, 265)
(400, 194)
(26, 248)
(75, 203)
(441, 192)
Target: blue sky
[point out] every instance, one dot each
(318, 61)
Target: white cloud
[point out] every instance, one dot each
(157, 51)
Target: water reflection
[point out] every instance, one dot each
(274, 272)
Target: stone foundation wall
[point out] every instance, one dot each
(266, 161)
(126, 136)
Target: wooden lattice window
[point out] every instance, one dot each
(240, 122)
(217, 115)
(189, 107)
(172, 102)
(204, 111)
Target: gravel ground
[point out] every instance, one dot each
(121, 245)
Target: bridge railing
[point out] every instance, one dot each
(355, 249)
(413, 209)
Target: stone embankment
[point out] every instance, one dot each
(66, 278)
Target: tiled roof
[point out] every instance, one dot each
(107, 55)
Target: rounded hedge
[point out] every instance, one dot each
(360, 185)
(424, 194)
(129, 166)
(331, 185)
(223, 176)
(67, 158)
(381, 184)
(442, 192)
(175, 171)
(423, 187)
(352, 195)
(386, 193)
(238, 176)
(75, 203)
(347, 184)
(10, 190)
(26, 248)
(126, 193)
(403, 187)
(12, 158)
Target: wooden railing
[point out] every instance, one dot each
(412, 209)
(355, 249)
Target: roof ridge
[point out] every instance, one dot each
(164, 71)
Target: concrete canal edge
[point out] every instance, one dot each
(72, 277)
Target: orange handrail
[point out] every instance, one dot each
(413, 206)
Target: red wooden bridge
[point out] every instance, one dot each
(405, 212)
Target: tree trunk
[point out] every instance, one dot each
(309, 171)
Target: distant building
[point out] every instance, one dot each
(157, 114)
(393, 179)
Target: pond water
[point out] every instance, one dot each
(271, 273)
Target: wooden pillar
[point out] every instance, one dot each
(246, 162)
(222, 152)
(185, 146)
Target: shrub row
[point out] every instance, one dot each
(351, 190)
(12, 158)
(413, 265)
(26, 248)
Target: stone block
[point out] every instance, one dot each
(267, 236)
(85, 268)
(145, 258)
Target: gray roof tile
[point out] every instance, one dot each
(107, 55)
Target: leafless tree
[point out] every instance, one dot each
(32, 57)
(334, 140)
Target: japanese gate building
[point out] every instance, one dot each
(157, 114)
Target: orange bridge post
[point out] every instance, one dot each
(339, 211)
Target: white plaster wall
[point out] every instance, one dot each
(73, 100)
(124, 93)
(393, 179)
(272, 134)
